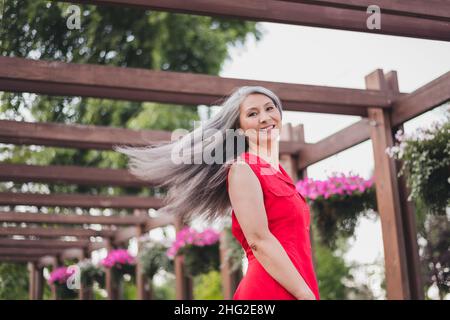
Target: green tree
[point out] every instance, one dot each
(434, 234)
(331, 271)
(334, 274)
(208, 286)
(13, 281)
(115, 36)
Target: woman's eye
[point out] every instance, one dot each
(250, 114)
(270, 108)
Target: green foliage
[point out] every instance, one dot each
(331, 270)
(129, 290)
(334, 274)
(121, 271)
(425, 157)
(201, 259)
(90, 273)
(208, 286)
(153, 258)
(338, 215)
(13, 281)
(165, 291)
(64, 293)
(434, 233)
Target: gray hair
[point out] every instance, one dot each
(196, 190)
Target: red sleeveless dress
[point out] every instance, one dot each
(289, 221)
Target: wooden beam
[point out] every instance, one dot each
(124, 234)
(158, 222)
(89, 137)
(424, 9)
(77, 136)
(305, 14)
(72, 253)
(337, 142)
(41, 243)
(405, 107)
(388, 201)
(87, 80)
(17, 259)
(54, 232)
(37, 252)
(70, 175)
(79, 200)
(47, 261)
(431, 95)
(29, 217)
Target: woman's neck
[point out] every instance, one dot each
(270, 155)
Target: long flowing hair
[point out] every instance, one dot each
(197, 190)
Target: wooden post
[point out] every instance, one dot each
(85, 292)
(183, 283)
(142, 283)
(288, 161)
(32, 281)
(55, 264)
(408, 214)
(230, 279)
(111, 285)
(290, 164)
(388, 198)
(39, 280)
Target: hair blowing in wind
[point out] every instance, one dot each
(197, 190)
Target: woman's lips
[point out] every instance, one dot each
(267, 129)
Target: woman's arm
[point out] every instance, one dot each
(248, 204)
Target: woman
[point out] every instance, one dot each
(269, 218)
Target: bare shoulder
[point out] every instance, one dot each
(241, 174)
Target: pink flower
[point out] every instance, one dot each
(60, 275)
(337, 184)
(189, 236)
(118, 258)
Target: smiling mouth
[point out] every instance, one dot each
(267, 128)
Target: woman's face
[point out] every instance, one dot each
(259, 118)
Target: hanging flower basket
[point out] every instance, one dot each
(200, 250)
(337, 203)
(120, 262)
(425, 156)
(90, 273)
(58, 278)
(153, 258)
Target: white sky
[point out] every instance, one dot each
(305, 55)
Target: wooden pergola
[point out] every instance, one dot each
(41, 239)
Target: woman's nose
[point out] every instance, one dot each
(265, 120)
(264, 117)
